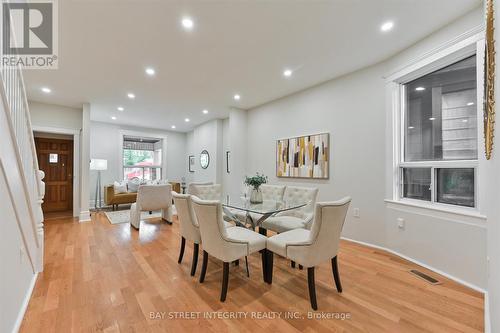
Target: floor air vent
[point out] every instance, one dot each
(425, 277)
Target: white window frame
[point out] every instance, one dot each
(150, 134)
(473, 45)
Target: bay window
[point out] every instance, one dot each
(142, 158)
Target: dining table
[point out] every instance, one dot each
(249, 214)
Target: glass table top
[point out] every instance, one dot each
(264, 208)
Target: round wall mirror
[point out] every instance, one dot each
(204, 159)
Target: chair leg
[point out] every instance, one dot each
(263, 231)
(225, 282)
(246, 264)
(301, 267)
(204, 266)
(183, 245)
(264, 264)
(312, 287)
(269, 263)
(336, 275)
(237, 262)
(195, 258)
(292, 263)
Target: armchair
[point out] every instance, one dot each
(152, 197)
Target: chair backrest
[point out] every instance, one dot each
(154, 197)
(295, 194)
(212, 229)
(326, 229)
(190, 187)
(207, 192)
(187, 218)
(272, 192)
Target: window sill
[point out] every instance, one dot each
(441, 209)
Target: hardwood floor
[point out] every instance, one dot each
(109, 278)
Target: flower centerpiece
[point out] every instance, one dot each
(255, 182)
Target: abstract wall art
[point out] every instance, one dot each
(303, 157)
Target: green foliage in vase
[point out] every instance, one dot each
(255, 181)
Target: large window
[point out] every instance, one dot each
(142, 158)
(440, 136)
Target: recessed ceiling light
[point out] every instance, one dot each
(187, 23)
(411, 127)
(419, 88)
(470, 103)
(237, 97)
(113, 117)
(120, 108)
(46, 90)
(150, 71)
(205, 111)
(172, 127)
(187, 120)
(432, 118)
(287, 72)
(130, 95)
(387, 26)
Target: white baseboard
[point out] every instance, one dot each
(451, 277)
(24, 305)
(84, 216)
(487, 320)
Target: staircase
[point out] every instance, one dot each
(22, 155)
(21, 196)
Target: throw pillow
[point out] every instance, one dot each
(133, 186)
(120, 187)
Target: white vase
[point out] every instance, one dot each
(256, 196)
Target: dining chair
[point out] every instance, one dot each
(296, 218)
(189, 228)
(269, 193)
(311, 247)
(150, 198)
(225, 244)
(206, 191)
(210, 191)
(272, 192)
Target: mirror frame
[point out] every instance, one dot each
(205, 152)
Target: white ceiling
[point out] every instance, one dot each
(236, 47)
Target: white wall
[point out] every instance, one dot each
(209, 137)
(50, 115)
(353, 110)
(106, 143)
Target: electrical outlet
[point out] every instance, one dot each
(355, 212)
(401, 223)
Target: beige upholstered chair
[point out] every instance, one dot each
(189, 228)
(296, 218)
(149, 198)
(272, 192)
(269, 192)
(191, 186)
(311, 247)
(207, 192)
(226, 244)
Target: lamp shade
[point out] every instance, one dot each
(98, 164)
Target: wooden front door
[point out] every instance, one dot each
(55, 158)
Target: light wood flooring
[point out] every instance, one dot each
(100, 277)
